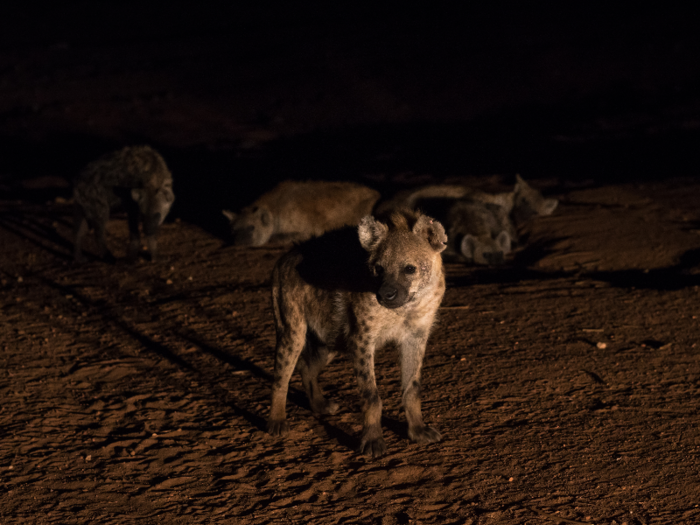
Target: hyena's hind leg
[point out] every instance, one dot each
(291, 339)
(80, 228)
(314, 358)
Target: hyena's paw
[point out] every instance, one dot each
(372, 447)
(423, 435)
(325, 408)
(278, 428)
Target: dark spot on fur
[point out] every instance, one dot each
(363, 375)
(370, 396)
(362, 362)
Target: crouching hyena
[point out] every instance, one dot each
(354, 290)
(296, 211)
(136, 178)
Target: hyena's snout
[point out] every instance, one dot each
(494, 258)
(243, 235)
(392, 294)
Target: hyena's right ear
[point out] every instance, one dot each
(503, 241)
(371, 232)
(432, 231)
(468, 246)
(231, 216)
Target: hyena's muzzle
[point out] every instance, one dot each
(392, 293)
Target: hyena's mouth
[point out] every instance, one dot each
(395, 302)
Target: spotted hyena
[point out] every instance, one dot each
(135, 178)
(355, 290)
(479, 232)
(296, 211)
(521, 204)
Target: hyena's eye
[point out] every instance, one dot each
(378, 269)
(409, 269)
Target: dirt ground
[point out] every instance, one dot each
(565, 383)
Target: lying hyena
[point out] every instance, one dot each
(479, 232)
(136, 178)
(520, 204)
(528, 202)
(356, 289)
(481, 226)
(296, 211)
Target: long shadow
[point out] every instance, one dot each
(162, 351)
(225, 357)
(676, 277)
(100, 308)
(34, 231)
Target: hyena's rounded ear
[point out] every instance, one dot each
(265, 216)
(371, 232)
(432, 231)
(468, 246)
(138, 194)
(230, 215)
(503, 242)
(548, 206)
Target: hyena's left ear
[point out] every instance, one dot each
(432, 231)
(138, 194)
(371, 232)
(548, 206)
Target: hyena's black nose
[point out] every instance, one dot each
(391, 295)
(495, 258)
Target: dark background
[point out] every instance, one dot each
(237, 98)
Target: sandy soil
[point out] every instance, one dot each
(565, 383)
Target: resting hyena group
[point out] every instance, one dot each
(354, 283)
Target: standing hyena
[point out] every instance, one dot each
(136, 178)
(356, 289)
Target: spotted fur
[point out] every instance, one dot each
(296, 211)
(135, 178)
(356, 290)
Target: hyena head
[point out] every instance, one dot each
(154, 204)
(529, 202)
(485, 249)
(404, 254)
(252, 227)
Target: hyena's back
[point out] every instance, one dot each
(311, 208)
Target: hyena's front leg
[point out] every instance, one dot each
(372, 441)
(412, 351)
(80, 228)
